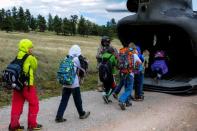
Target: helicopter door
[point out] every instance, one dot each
(194, 5)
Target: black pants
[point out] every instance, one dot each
(108, 86)
(64, 101)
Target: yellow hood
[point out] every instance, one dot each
(24, 45)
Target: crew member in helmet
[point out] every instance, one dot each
(103, 46)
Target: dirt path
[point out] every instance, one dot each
(159, 112)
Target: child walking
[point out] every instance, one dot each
(73, 89)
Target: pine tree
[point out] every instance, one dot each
(82, 26)
(66, 27)
(2, 17)
(50, 23)
(8, 22)
(22, 24)
(41, 23)
(33, 24)
(28, 17)
(73, 20)
(57, 24)
(14, 16)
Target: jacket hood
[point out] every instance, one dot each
(75, 51)
(138, 49)
(24, 45)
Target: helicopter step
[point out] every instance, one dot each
(174, 85)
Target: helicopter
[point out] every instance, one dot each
(169, 25)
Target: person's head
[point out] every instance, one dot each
(146, 53)
(131, 45)
(75, 51)
(26, 46)
(105, 41)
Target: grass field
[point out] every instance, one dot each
(49, 50)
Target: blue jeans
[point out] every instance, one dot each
(138, 84)
(128, 84)
(119, 87)
(66, 92)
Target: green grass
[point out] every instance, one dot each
(49, 49)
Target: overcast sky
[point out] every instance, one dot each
(93, 10)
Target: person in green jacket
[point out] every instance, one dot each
(107, 71)
(29, 90)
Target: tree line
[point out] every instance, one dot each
(23, 21)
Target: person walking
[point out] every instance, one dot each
(28, 92)
(74, 89)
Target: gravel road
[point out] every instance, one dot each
(158, 112)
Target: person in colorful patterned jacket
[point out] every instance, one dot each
(127, 60)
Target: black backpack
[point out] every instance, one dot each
(105, 70)
(84, 65)
(13, 76)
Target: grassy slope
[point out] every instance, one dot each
(49, 49)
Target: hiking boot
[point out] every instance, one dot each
(135, 98)
(156, 80)
(100, 89)
(122, 105)
(38, 127)
(109, 101)
(140, 98)
(115, 96)
(128, 103)
(105, 99)
(19, 128)
(85, 115)
(58, 120)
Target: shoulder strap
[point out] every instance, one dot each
(109, 57)
(24, 58)
(106, 60)
(21, 61)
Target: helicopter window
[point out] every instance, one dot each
(194, 5)
(144, 1)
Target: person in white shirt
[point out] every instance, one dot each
(73, 89)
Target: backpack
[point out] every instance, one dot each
(125, 60)
(66, 73)
(84, 65)
(105, 70)
(13, 76)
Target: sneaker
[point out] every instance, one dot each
(38, 127)
(85, 115)
(105, 99)
(58, 120)
(20, 128)
(115, 96)
(122, 105)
